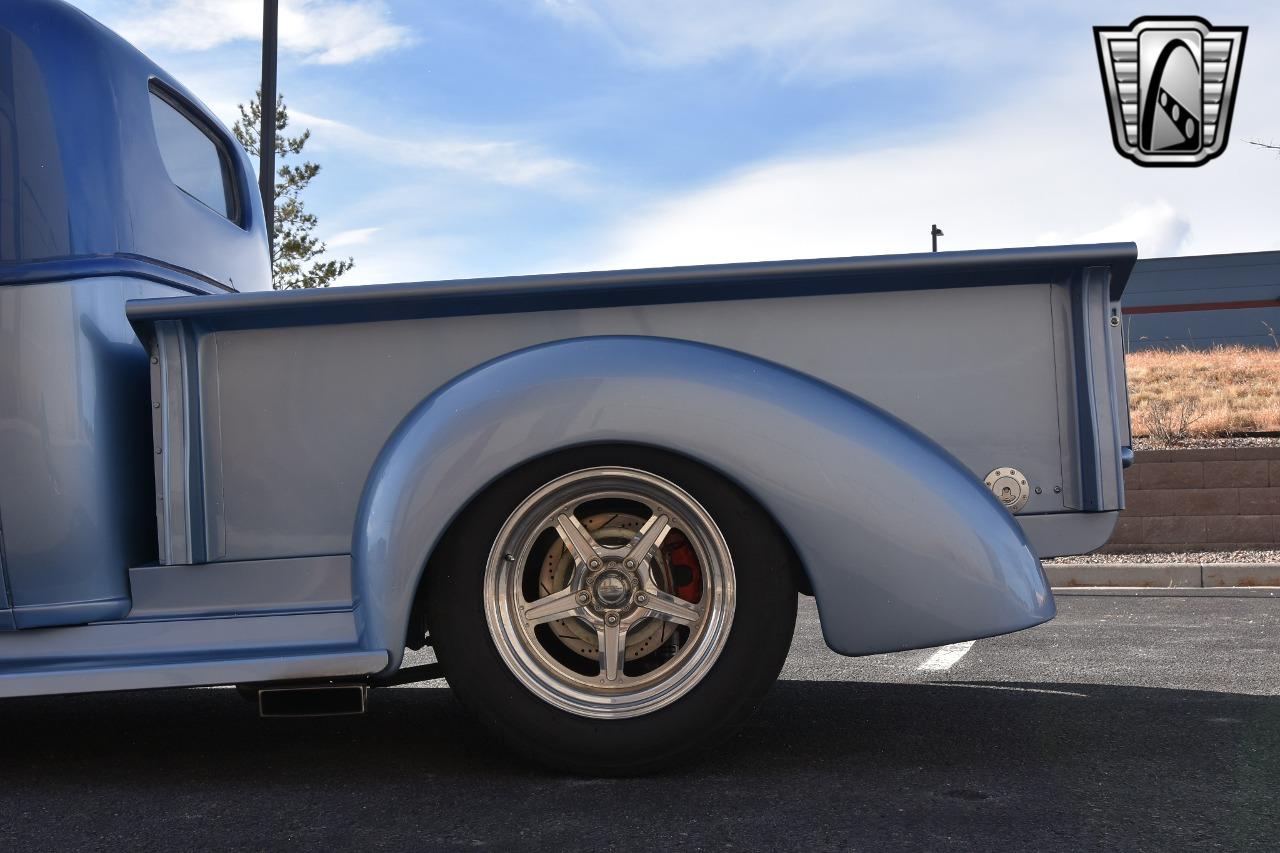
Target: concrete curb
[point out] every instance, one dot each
(1169, 591)
(1163, 575)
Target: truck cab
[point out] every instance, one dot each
(117, 184)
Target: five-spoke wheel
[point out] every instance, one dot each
(637, 549)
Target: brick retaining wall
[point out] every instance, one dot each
(1189, 500)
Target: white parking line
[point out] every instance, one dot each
(971, 686)
(946, 657)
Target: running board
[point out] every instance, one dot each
(96, 676)
(312, 700)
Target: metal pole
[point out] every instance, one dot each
(267, 134)
(935, 232)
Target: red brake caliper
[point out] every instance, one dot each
(686, 574)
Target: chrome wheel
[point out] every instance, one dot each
(609, 592)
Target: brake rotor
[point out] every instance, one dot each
(672, 558)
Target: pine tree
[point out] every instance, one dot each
(294, 250)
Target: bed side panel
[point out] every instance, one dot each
(302, 412)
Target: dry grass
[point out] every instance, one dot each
(1180, 395)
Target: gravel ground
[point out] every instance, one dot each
(1177, 557)
(1143, 443)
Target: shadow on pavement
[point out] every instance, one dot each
(824, 765)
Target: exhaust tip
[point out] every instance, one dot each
(312, 700)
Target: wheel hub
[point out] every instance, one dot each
(612, 589)
(580, 635)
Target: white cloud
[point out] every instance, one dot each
(1037, 168)
(500, 161)
(1158, 228)
(327, 32)
(351, 237)
(388, 259)
(798, 35)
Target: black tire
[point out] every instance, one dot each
(752, 656)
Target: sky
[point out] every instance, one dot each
(468, 138)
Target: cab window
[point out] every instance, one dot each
(193, 156)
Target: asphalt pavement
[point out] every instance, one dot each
(1128, 723)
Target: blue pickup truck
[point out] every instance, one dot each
(594, 496)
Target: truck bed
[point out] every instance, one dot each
(1006, 358)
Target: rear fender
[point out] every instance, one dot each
(902, 545)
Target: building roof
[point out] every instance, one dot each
(1210, 279)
